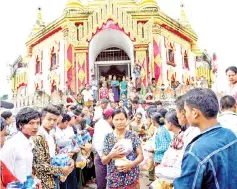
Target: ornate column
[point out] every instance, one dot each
(69, 67)
(156, 59)
(141, 58)
(81, 69)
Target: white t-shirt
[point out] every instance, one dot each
(50, 140)
(17, 155)
(87, 95)
(102, 128)
(228, 120)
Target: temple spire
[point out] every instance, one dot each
(74, 5)
(39, 24)
(183, 18)
(39, 17)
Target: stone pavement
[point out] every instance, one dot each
(144, 181)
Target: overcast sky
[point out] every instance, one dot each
(213, 20)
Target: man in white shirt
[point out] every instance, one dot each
(228, 117)
(87, 94)
(191, 132)
(102, 128)
(45, 148)
(59, 133)
(141, 109)
(99, 110)
(17, 152)
(69, 130)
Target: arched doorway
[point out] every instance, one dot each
(113, 61)
(111, 52)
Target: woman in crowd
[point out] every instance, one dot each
(103, 92)
(130, 85)
(231, 73)
(162, 138)
(115, 88)
(123, 87)
(126, 176)
(109, 81)
(170, 166)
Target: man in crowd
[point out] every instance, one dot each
(17, 154)
(99, 110)
(102, 128)
(45, 148)
(210, 158)
(141, 109)
(228, 117)
(190, 131)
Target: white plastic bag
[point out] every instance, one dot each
(148, 163)
(126, 144)
(80, 161)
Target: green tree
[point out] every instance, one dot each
(4, 97)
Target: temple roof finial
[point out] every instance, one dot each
(39, 24)
(183, 18)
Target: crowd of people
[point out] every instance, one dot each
(193, 145)
(114, 89)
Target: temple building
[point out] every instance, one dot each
(106, 37)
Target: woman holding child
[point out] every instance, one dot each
(122, 163)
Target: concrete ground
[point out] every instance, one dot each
(144, 181)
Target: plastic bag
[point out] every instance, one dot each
(126, 144)
(149, 145)
(62, 143)
(30, 183)
(80, 161)
(159, 184)
(86, 137)
(60, 160)
(148, 163)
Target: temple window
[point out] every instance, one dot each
(185, 60)
(170, 54)
(38, 65)
(54, 62)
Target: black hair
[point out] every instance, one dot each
(158, 102)
(83, 124)
(152, 104)
(135, 102)
(151, 111)
(162, 111)
(50, 109)
(203, 99)
(158, 118)
(231, 68)
(73, 108)
(77, 112)
(227, 102)
(179, 103)
(25, 115)
(6, 114)
(60, 109)
(171, 117)
(65, 117)
(89, 106)
(118, 111)
(3, 123)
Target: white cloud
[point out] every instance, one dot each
(213, 21)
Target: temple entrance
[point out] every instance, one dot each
(113, 61)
